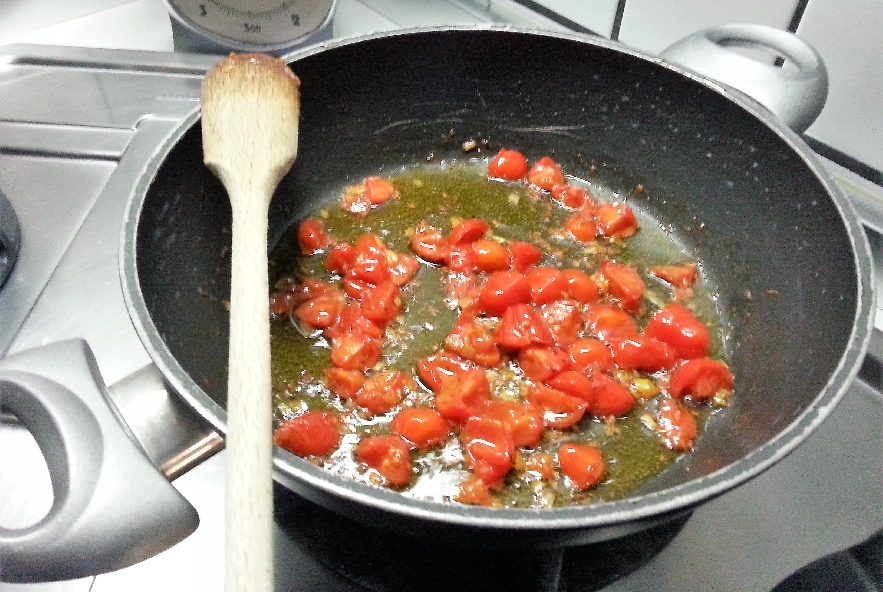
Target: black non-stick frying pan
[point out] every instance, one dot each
(730, 182)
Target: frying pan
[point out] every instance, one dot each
(731, 184)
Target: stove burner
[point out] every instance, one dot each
(381, 561)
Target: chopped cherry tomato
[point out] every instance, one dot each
(421, 426)
(502, 290)
(382, 304)
(472, 341)
(675, 425)
(524, 422)
(383, 391)
(402, 267)
(546, 284)
(589, 355)
(315, 433)
(609, 397)
(521, 327)
(344, 383)
(545, 174)
(675, 325)
(378, 190)
(460, 399)
(582, 464)
(467, 231)
(460, 285)
(682, 276)
(607, 321)
(488, 448)
(474, 492)
(565, 320)
(312, 237)
(340, 258)
(615, 220)
(389, 455)
(542, 463)
(523, 255)
(639, 352)
(460, 257)
(559, 409)
(623, 283)
(321, 311)
(700, 378)
(355, 351)
(573, 197)
(434, 370)
(582, 225)
(371, 264)
(541, 363)
(351, 321)
(429, 243)
(281, 303)
(507, 164)
(574, 384)
(311, 287)
(489, 255)
(580, 286)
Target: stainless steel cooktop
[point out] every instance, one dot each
(77, 127)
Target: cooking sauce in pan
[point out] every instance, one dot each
(609, 456)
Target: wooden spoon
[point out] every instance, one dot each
(250, 109)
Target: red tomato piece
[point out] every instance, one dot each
(382, 304)
(461, 285)
(340, 258)
(559, 409)
(640, 352)
(574, 384)
(582, 225)
(311, 287)
(676, 426)
(543, 464)
(523, 255)
(573, 197)
(460, 257)
(545, 174)
(580, 286)
(383, 391)
(583, 465)
(467, 231)
(429, 243)
(436, 369)
(682, 276)
(312, 237)
(609, 397)
(546, 284)
(522, 326)
(315, 433)
(489, 255)
(281, 303)
(421, 426)
(565, 320)
(488, 448)
(321, 311)
(524, 422)
(607, 321)
(700, 378)
(402, 267)
(355, 351)
(344, 383)
(675, 325)
(371, 264)
(387, 454)
(502, 290)
(474, 492)
(615, 220)
(540, 363)
(460, 399)
(351, 321)
(623, 283)
(378, 190)
(589, 356)
(509, 165)
(472, 341)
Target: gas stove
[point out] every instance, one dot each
(77, 127)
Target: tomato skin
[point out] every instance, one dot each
(383, 391)
(583, 465)
(488, 448)
(467, 231)
(545, 174)
(472, 341)
(540, 363)
(524, 422)
(509, 165)
(610, 398)
(700, 378)
(436, 369)
(682, 276)
(321, 311)
(640, 352)
(546, 284)
(344, 383)
(382, 304)
(623, 283)
(615, 220)
(489, 255)
(523, 255)
(389, 455)
(565, 320)
(421, 426)
(429, 243)
(574, 384)
(560, 410)
(340, 258)
(312, 237)
(355, 351)
(607, 321)
(582, 226)
(589, 355)
(315, 433)
(460, 399)
(503, 289)
(571, 196)
(522, 326)
(675, 325)
(676, 426)
(580, 286)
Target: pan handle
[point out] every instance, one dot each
(795, 94)
(111, 507)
